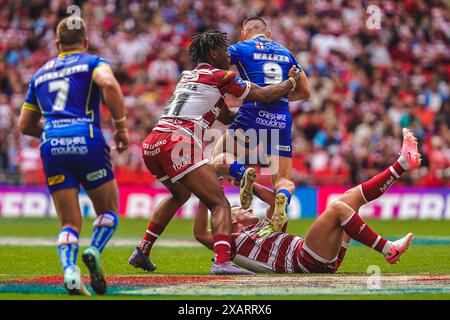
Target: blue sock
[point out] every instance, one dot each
(104, 227)
(287, 194)
(237, 170)
(68, 247)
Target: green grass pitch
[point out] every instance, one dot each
(428, 255)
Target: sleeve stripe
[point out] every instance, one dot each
(30, 106)
(104, 65)
(247, 90)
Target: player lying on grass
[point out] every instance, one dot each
(255, 247)
(173, 150)
(263, 61)
(66, 91)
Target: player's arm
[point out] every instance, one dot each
(274, 92)
(113, 98)
(226, 115)
(30, 122)
(232, 84)
(201, 232)
(30, 115)
(302, 90)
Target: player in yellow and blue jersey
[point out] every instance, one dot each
(66, 91)
(263, 61)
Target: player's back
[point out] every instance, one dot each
(272, 253)
(64, 92)
(199, 96)
(263, 61)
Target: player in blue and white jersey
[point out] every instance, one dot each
(66, 92)
(263, 61)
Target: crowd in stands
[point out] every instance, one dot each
(367, 83)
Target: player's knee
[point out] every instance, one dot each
(338, 209)
(285, 183)
(181, 196)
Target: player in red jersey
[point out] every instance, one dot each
(324, 247)
(173, 150)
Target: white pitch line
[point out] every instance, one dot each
(120, 242)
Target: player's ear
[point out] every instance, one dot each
(243, 35)
(268, 33)
(58, 45)
(86, 43)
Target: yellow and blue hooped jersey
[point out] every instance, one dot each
(63, 91)
(263, 62)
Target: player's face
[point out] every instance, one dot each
(242, 218)
(221, 58)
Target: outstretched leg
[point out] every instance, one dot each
(228, 159)
(325, 236)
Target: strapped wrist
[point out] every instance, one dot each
(294, 83)
(124, 118)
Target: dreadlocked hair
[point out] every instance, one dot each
(202, 43)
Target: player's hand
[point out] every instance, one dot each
(122, 140)
(294, 72)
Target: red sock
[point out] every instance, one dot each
(153, 232)
(378, 185)
(358, 230)
(222, 248)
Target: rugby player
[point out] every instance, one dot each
(263, 61)
(323, 248)
(173, 150)
(66, 91)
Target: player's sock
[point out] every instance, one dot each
(358, 230)
(379, 184)
(68, 247)
(343, 250)
(222, 248)
(237, 170)
(104, 227)
(287, 194)
(153, 232)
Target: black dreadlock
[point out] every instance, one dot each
(203, 43)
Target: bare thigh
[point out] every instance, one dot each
(325, 235)
(203, 183)
(105, 197)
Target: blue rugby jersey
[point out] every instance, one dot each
(63, 91)
(264, 62)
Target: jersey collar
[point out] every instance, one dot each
(67, 53)
(261, 34)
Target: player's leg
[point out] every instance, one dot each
(69, 213)
(378, 185)
(284, 189)
(228, 159)
(64, 190)
(105, 199)
(163, 214)
(97, 177)
(325, 236)
(214, 198)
